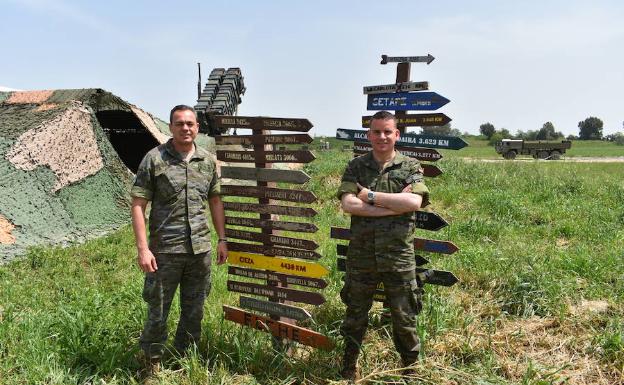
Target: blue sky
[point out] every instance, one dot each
(515, 64)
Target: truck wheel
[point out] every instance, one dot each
(555, 155)
(542, 155)
(510, 155)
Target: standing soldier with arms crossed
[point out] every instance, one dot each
(177, 177)
(381, 190)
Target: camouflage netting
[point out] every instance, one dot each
(66, 164)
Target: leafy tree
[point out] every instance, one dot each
(590, 129)
(547, 132)
(438, 130)
(505, 134)
(572, 137)
(496, 137)
(618, 138)
(487, 129)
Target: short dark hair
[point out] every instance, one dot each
(384, 115)
(181, 107)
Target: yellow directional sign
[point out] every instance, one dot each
(281, 265)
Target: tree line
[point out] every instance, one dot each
(589, 129)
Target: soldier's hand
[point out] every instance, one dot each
(222, 253)
(147, 261)
(407, 189)
(363, 193)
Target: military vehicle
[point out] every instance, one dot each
(538, 149)
(221, 96)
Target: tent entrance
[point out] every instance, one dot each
(127, 135)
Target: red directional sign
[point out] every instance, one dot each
(278, 329)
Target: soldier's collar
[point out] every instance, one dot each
(199, 152)
(372, 163)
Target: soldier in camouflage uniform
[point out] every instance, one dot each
(177, 178)
(381, 190)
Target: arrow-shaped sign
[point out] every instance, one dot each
(273, 250)
(427, 154)
(415, 120)
(263, 139)
(416, 101)
(262, 122)
(268, 224)
(397, 87)
(286, 279)
(295, 156)
(289, 266)
(408, 140)
(294, 211)
(435, 246)
(271, 238)
(407, 59)
(277, 328)
(265, 174)
(278, 292)
(280, 194)
(274, 308)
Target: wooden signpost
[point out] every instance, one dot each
(261, 261)
(385, 59)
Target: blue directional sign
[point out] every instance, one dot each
(408, 140)
(406, 101)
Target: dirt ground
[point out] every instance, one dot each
(581, 159)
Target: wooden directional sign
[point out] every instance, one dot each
(273, 250)
(276, 292)
(274, 308)
(343, 249)
(397, 87)
(263, 139)
(408, 140)
(414, 120)
(437, 277)
(294, 211)
(432, 277)
(404, 101)
(407, 59)
(427, 154)
(277, 328)
(265, 174)
(262, 122)
(295, 156)
(281, 194)
(281, 265)
(315, 283)
(435, 246)
(273, 239)
(424, 220)
(272, 225)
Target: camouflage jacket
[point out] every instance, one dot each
(178, 191)
(383, 244)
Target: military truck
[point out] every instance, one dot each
(538, 149)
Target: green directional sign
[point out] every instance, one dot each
(408, 140)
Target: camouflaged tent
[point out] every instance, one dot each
(66, 163)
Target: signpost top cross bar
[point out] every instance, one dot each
(407, 59)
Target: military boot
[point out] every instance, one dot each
(349, 362)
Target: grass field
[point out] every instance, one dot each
(540, 298)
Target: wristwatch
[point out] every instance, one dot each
(371, 197)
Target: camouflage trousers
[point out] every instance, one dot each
(192, 273)
(404, 298)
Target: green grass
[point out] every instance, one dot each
(538, 241)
